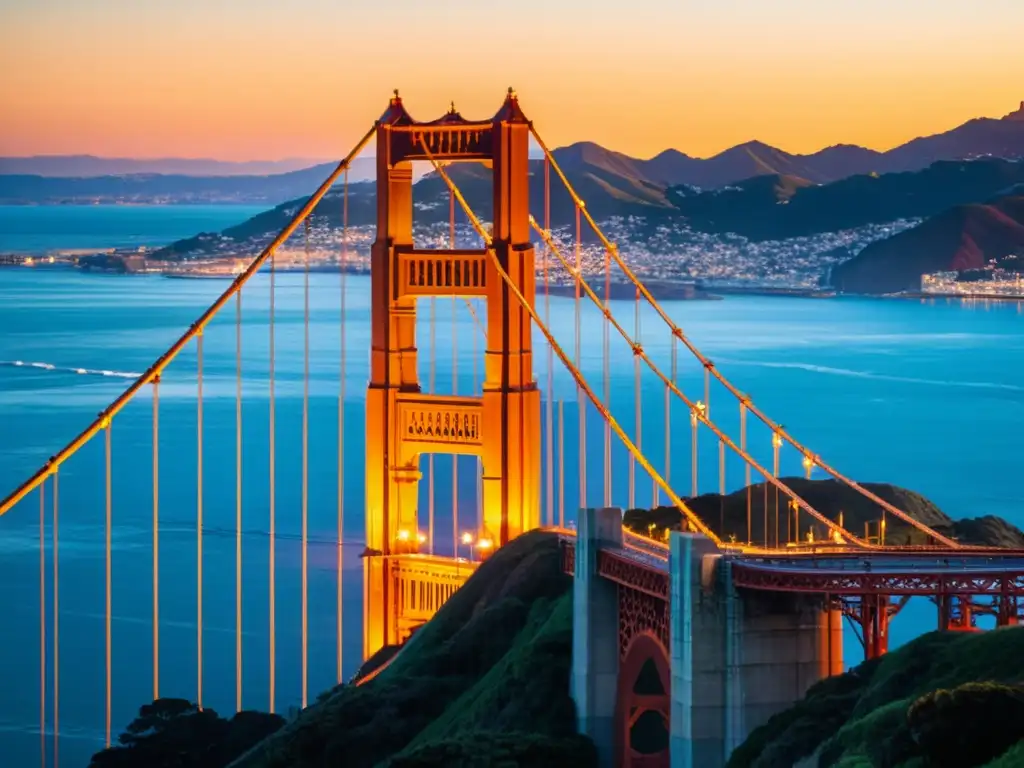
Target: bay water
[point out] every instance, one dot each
(925, 395)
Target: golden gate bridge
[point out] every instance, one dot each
(510, 422)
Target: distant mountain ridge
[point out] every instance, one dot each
(85, 178)
(979, 137)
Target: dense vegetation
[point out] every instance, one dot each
(945, 700)
(174, 733)
(485, 683)
(727, 515)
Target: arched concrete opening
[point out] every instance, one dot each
(642, 705)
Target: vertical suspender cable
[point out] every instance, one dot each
(199, 522)
(551, 364)
(721, 487)
(580, 404)
(56, 621)
(341, 433)
(607, 376)
(156, 538)
(776, 444)
(693, 450)
(107, 622)
(668, 414)
(305, 469)
(42, 624)
(561, 464)
(455, 382)
(238, 501)
(636, 408)
(272, 593)
(746, 466)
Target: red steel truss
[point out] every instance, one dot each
(867, 582)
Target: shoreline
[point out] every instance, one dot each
(919, 296)
(662, 290)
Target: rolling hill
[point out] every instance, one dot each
(776, 207)
(610, 183)
(963, 238)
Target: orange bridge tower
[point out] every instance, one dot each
(501, 423)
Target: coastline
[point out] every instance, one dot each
(919, 296)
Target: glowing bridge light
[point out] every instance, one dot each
(467, 538)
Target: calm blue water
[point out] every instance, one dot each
(38, 229)
(928, 396)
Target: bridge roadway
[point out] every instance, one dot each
(906, 571)
(932, 573)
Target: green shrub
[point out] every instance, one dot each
(969, 725)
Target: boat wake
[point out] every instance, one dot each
(62, 369)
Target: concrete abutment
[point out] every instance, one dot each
(736, 658)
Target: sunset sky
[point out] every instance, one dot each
(265, 79)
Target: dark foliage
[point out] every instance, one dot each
(485, 749)
(174, 733)
(727, 515)
(968, 725)
(492, 666)
(944, 700)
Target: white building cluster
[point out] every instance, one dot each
(663, 250)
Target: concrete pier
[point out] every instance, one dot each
(595, 640)
(736, 660)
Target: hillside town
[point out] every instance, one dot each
(667, 252)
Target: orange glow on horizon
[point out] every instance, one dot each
(252, 80)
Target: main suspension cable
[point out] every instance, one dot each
(709, 366)
(693, 519)
(697, 412)
(194, 330)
